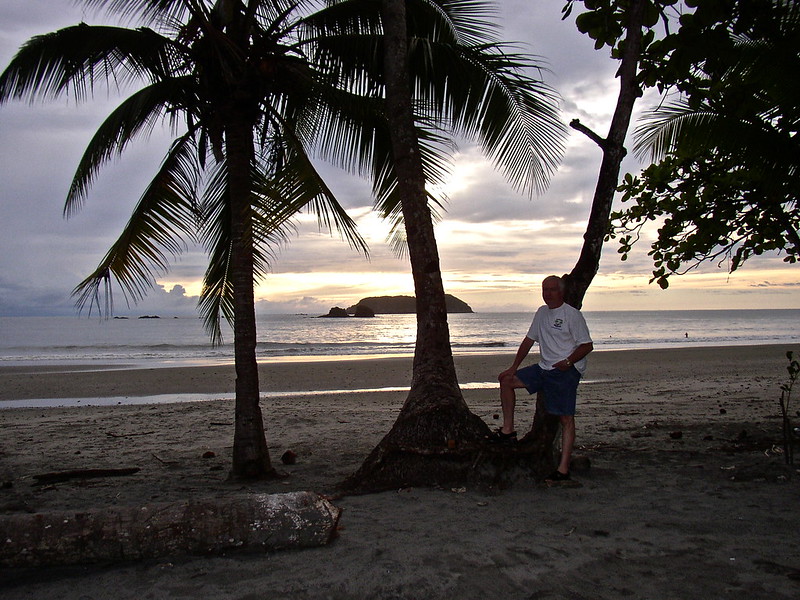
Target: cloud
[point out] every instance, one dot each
(301, 305)
(778, 285)
(19, 298)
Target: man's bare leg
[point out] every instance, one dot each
(567, 442)
(508, 401)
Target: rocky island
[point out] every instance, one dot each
(393, 305)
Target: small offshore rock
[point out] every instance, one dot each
(209, 454)
(676, 435)
(289, 458)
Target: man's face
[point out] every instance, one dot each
(551, 293)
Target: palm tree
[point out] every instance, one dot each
(238, 78)
(446, 69)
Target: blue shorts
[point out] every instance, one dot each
(560, 388)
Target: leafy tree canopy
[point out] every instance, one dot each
(725, 184)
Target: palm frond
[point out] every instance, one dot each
(297, 185)
(272, 224)
(485, 93)
(216, 297)
(342, 17)
(150, 11)
(461, 22)
(478, 91)
(164, 218)
(351, 130)
(73, 59)
(436, 153)
(353, 134)
(140, 112)
(661, 129)
(681, 129)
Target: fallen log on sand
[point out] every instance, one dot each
(60, 476)
(204, 526)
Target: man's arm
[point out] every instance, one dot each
(577, 354)
(524, 347)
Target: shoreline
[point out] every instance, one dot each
(685, 478)
(44, 382)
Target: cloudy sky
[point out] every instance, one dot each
(495, 244)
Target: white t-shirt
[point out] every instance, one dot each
(559, 331)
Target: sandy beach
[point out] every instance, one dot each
(686, 497)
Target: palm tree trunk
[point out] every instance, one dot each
(433, 360)
(250, 453)
(427, 442)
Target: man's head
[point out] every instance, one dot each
(553, 291)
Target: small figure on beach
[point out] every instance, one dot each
(564, 341)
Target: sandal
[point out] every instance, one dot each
(498, 437)
(557, 476)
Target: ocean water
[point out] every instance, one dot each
(183, 341)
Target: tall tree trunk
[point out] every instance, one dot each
(582, 274)
(435, 425)
(434, 370)
(250, 453)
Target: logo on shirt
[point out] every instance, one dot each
(558, 323)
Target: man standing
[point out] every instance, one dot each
(564, 342)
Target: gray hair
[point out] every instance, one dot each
(561, 283)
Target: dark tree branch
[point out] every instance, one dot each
(578, 126)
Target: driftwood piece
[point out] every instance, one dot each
(204, 526)
(59, 476)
